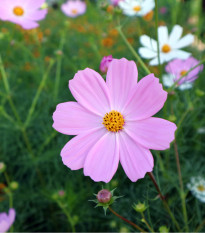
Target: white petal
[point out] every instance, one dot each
(147, 53)
(175, 34)
(185, 41)
(146, 41)
(163, 35)
(168, 80)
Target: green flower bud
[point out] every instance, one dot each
(172, 118)
(14, 185)
(199, 92)
(163, 229)
(2, 167)
(140, 207)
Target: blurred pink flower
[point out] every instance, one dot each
(7, 220)
(163, 10)
(74, 8)
(24, 13)
(115, 2)
(105, 63)
(113, 122)
(178, 67)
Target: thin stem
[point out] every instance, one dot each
(164, 201)
(177, 82)
(146, 223)
(58, 69)
(200, 226)
(156, 31)
(133, 51)
(126, 220)
(35, 99)
(182, 194)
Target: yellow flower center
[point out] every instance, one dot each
(18, 11)
(183, 72)
(201, 188)
(136, 8)
(113, 121)
(166, 48)
(74, 11)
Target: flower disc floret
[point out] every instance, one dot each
(18, 11)
(113, 121)
(166, 48)
(183, 72)
(137, 8)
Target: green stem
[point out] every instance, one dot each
(68, 215)
(133, 51)
(182, 194)
(175, 84)
(126, 220)
(35, 99)
(156, 31)
(164, 201)
(58, 69)
(200, 226)
(146, 223)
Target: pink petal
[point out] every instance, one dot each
(76, 150)
(90, 90)
(121, 78)
(35, 4)
(102, 160)
(36, 15)
(146, 99)
(12, 215)
(71, 118)
(135, 159)
(152, 133)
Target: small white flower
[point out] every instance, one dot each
(169, 45)
(197, 187)
(136, 7)
(169, 80)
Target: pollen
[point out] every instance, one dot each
(18, 11)
(74, 11)
(113, 121)
(136, 8)
(166, 48)
(201, 188)
(183, 72)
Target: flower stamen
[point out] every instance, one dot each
(201, 188)
(113, 121)
(183, 72)
(18, 11)
(136, 8)
(74, 11)
(166, 48)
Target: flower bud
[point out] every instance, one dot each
(2, 167)
(105, 62)
(14, 185)
(163, 229)
(140, 207)
(104, 196)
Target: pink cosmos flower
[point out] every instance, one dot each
(22, 12)
(105, 63)
(7, 220)
(113, 122)
(74, 8)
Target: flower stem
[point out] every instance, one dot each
(132, 50)
(126, 220)
(164, 201)
(156, 31)
(146, 223)
(182, 194)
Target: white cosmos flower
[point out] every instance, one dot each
(136, 7)
(169, 45)
(197, 187)
(170, 79)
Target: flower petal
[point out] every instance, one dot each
(146, 99)
(136, 160)
(72, 119)
(90, 90)
(102, 160)
(152, 133)
(175, 34)
(147, 53)
(12, 215)
(184, 41)
(147, 42)
(163, 35)
(121, 78)
(76, 150)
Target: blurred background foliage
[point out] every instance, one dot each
(32, 152)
